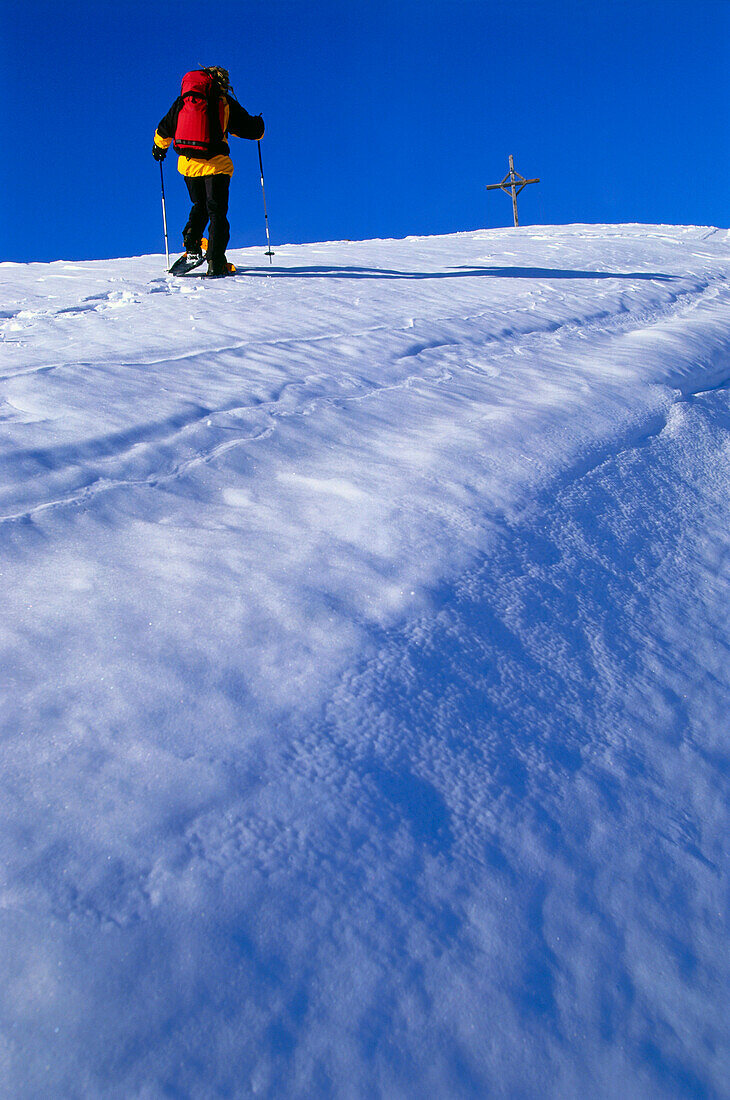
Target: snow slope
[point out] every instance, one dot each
(364, 670)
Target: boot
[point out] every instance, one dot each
(193, 247)
(217, 269)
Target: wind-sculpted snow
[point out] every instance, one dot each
(364, 666)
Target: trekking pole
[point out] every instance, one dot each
(164, 216)
(269, 253)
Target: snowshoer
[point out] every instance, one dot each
(197, 126)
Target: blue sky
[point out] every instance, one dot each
(383, 119)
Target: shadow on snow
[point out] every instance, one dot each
(330, 271)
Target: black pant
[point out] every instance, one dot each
(209, 195)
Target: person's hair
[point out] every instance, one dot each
(221, 75)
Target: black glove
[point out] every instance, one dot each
(261, 120)
(158, 153)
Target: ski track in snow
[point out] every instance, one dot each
(365, 690)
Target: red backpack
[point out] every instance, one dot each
(199, 129)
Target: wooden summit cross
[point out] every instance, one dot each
(512, 184)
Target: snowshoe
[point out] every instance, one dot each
(190, 260)
(187, 263)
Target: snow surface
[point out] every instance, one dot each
(365, 680)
